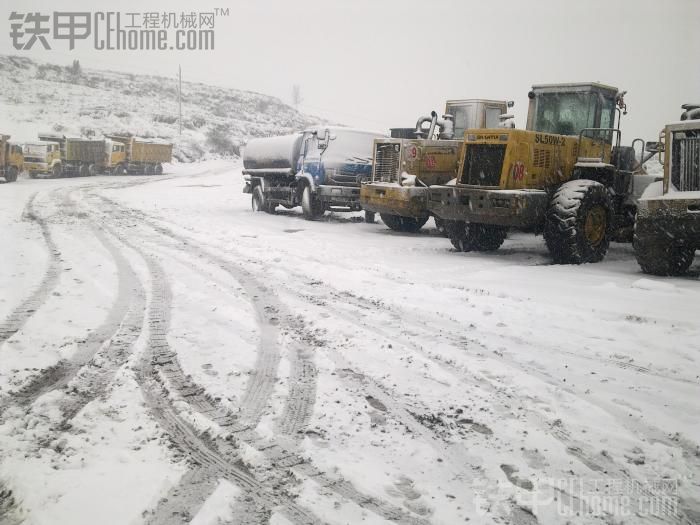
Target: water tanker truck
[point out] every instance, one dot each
(318, 169)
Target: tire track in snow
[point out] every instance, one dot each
(299, 402)
(59, 375)
(20, 315)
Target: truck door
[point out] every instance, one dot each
(311, 158)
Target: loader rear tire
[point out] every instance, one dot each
(475, 237)
(659, 255)
(311, 207)
(399, 223)
(578, 225)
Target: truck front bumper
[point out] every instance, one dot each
(406, 201)
(518, 208)
(676, 219)
(341, 196)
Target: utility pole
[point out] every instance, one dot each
(179, 95)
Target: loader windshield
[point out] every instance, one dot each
(565, 113)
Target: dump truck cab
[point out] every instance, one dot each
(116, 156)
(405, 165)
(39, 157)
(569, 152)
(667, 229)
(11, 159)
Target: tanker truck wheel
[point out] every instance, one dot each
(370, 216)
(310, 205)
(440, 226)
(57, 170)
(475, 237)
(159, 169)
(399, 223)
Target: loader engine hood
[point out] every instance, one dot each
(418, 162)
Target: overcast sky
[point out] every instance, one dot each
(383, 63)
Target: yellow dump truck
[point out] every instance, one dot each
(133, 155)
(11, 159)
(73, 155)
(414, 159)
(39, 157)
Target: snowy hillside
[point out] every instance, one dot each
(46, 97)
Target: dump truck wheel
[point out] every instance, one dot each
(403, 224)
(370, 216)
(475, 237)
(84, 171)
(57, 170)
(119, 169)
(92, 170)
(578, 225)
(658, 255)
(148, 170)
(159, 169)
(310, 206)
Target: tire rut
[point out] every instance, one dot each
(59, 375)
(299, 402)
(21, 314)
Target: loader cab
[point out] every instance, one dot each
(568, 109)
(476, 113)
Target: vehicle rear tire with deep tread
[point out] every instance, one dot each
(578, 224)
(475, 237)
(310, 205)
(403, 224)
(659, 255)
(11, 174)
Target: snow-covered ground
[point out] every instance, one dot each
(169, 356)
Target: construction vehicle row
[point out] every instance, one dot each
(566, 176)
(58, 156)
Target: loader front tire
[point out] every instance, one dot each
(659, 255)
(475, 237)
(578, 224)
(399, 223)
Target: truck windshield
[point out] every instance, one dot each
(463, 118)
(352, 144)
(565, 113)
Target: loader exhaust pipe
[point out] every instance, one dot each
(692, 112)
(446, 125)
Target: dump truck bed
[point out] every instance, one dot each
(143, 151)
(91, 151)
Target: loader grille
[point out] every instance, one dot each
(685, 163)
(483, 164)
(386, 162)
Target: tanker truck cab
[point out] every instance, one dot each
(319, 169)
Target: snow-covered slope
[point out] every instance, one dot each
(46, 97)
